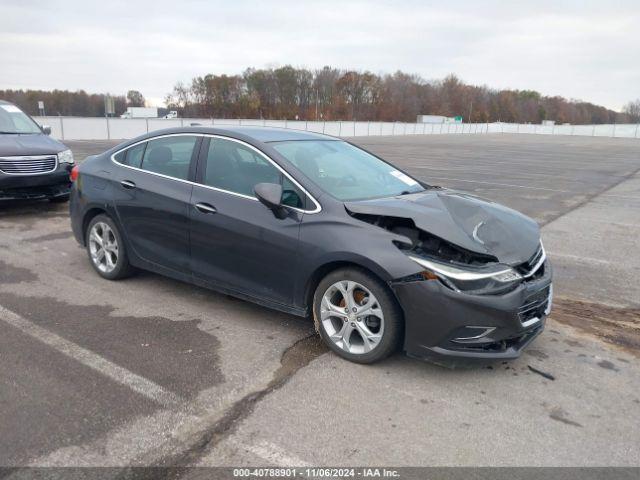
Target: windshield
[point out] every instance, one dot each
(14, 120)
(346, 172)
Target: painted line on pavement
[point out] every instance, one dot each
(271, 453)
(92, 360)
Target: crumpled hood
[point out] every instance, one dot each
(469, 222)
(32, 144)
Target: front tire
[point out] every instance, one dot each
(106, 250)
(357, 315)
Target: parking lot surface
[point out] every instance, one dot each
(153, 371)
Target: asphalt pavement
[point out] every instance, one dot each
(151, 371)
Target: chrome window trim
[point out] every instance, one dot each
(317, 208)
(29, 158)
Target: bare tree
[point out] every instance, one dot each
(181, 99)
(632, 109)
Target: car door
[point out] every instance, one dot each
(236, 242)
(152, 199)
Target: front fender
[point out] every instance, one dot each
(327, 243)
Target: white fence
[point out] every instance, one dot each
(92, 128)
(602, 130)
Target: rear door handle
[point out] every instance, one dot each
(128, 184)
(205, 208)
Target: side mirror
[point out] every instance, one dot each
(46, 129)
(270, 195)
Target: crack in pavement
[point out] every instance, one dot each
(296, 357)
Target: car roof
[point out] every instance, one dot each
(255, 133)
(4, 102)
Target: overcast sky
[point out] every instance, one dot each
(583, 50)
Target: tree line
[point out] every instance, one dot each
(67, 103)
(335, 94)
(62, 102)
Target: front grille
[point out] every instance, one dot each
(535, 306)
(32, 165)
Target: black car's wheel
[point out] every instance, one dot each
(106, 249)
(357, 315)
(61, 199)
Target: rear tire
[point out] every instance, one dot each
(357, 315)
(106, 250)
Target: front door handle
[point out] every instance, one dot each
(205, 208)
(128, 184)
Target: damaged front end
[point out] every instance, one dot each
(476, 298)
(457, 268)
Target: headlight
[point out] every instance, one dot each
(488, 280)
(65, 157)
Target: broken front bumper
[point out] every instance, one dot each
(454, 328)
(46, 185)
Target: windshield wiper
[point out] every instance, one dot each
(10, 133)
(407, 192)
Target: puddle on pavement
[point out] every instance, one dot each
(11, 274)
(174, 354)
(51, 401)
(297, 356)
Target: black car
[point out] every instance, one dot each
(32, 165)
(307, 223)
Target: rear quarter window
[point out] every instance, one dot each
(132, 156)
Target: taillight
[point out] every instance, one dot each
(74, 173)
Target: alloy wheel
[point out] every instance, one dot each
(352, 317)
(103, 246)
